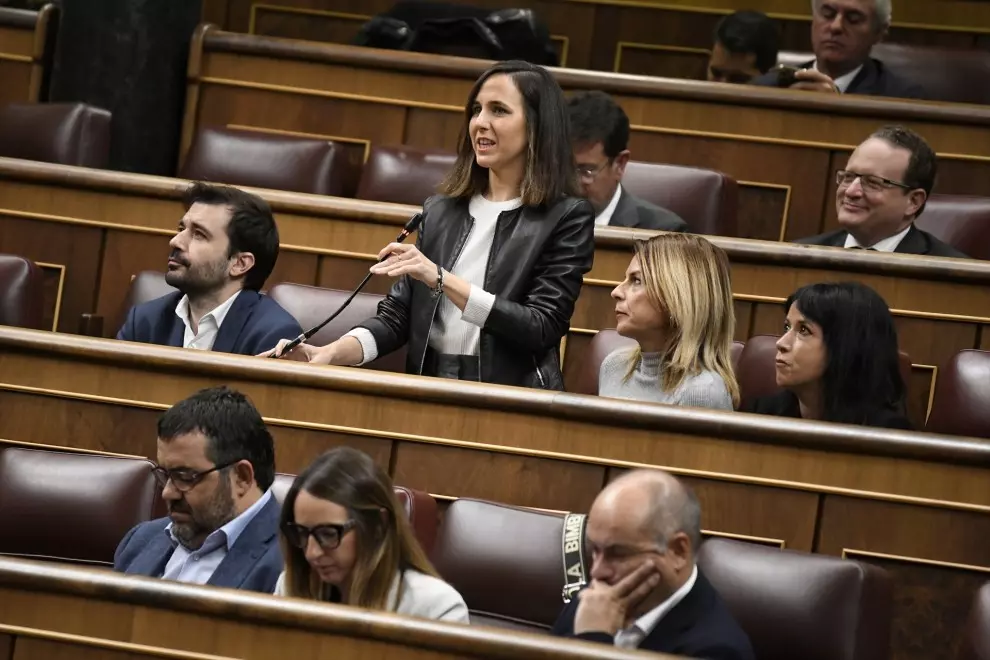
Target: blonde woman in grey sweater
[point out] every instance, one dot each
(676, 302)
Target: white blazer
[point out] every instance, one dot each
(423, 596)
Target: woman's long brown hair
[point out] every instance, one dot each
(386, 544)
(549, 173)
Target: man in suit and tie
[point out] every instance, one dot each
(843, 33)
(224, 250)
(216, 465)
(883, 189)
(646, 591)
(600, 135)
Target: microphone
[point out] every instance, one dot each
(410, 227)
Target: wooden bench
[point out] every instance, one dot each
(67, 218)
(27, 40)
(658, 37)
(49, 611)
(914, 503)
(92, 230)
(783, 147)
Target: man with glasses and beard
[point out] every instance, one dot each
(224, 249)
(216, 465)
(881, 193)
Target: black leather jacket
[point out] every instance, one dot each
(535, 269)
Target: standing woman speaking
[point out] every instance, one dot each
(487, 292)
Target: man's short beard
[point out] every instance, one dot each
(212, 516)
(199, 281)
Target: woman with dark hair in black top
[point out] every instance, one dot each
(837, 360)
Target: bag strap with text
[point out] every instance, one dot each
(572, 552)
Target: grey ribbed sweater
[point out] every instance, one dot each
(704, 390)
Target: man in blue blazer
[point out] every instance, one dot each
(216, 465)
(225, 249)
(646, 591)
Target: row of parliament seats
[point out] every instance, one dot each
(71, 134)
(958, 404)
(504, 560)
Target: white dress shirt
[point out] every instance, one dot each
(603, 218)
(457, 332)
(206, 333)
(842, 82)
(633, 636)
(888, 244)
(197, 566)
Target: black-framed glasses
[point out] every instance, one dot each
(328, 536)
(184, 479)
(591, 171)
(870, 182)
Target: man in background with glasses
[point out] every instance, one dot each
(216, 465)
(600, 135)
(883, 189)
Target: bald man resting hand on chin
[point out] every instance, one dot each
(646, 591)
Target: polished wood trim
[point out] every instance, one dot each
(744, 250)
(614, 83)
(328, 94)
(304, 11)
(194, 70)
(633, 45)
(58, 294)
(6, 442)
(319, 618)
(113, 645)
(851, 553)
(12, 57)
(522, 451)
(781, 543)
(758, 429)
(319, 136)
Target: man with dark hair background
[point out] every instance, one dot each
(881, 192)
(224, 250)
(600, 135)
(216, 465)
(745, 47)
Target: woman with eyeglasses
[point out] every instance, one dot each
(346, 539)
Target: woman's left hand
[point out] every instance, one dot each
(406, 260)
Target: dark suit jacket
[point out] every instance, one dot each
(917, 241)
(631, 211)
(785, 404)
(253, 563)
(254, 324)
(873, 79)
(700, 626)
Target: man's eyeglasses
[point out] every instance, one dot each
(183, 479)
(327, 536)
(870, 182)
(591, 171)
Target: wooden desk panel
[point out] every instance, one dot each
(819, 487)
(49, 611)
(782, 146)
(26, 46)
